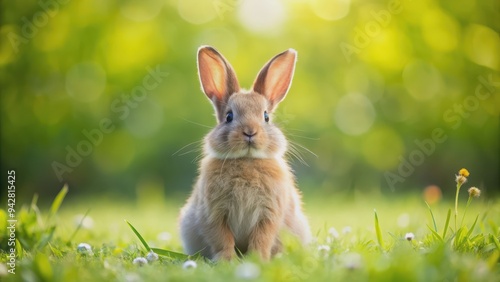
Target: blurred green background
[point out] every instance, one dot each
(375, 82)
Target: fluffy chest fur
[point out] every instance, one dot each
(245, 192)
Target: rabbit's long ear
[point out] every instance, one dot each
(275, 78)
(217, 78)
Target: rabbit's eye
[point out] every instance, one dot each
(266, 116)
(229, 116)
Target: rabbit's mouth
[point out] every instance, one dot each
(240, 149)
(250, 142)
(250, 149)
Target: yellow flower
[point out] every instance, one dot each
(464, 172)
(474, 192)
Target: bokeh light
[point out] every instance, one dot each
(382, 148)
(330, 10)
(141, 10)
(263, 16)
(422, 80)
(482, 46)
(370, 80)
(85, 82)
(197, 12)
(128, 45)
(432, 194)
(145, 120)
(354, 114)
(440, 31)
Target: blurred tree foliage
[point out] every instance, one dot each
(391, 95)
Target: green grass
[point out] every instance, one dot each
(367, 245)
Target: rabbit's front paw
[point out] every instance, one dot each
(226, 254)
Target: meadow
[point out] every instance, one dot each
(364, 237)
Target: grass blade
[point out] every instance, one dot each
(494, 227)
(139, 236)
(472, 227)
(447, 223)
(432, 216)
(167, 253)
(46, 238)
(436, 234)
(378, 231)
(58, 201)
(34, 208)
(34, 201)
(19, 249)
(458, 242)
(495, 241)
(78, 227)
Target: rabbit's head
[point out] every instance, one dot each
(245, 125)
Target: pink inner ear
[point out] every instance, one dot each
(212, 74)
(275, 78)
(278, 84)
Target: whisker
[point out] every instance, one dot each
(196, 123)
(294, 152)
(198, 158)
(304, 148)
(304, 137)
(296, 129)
(184, 147)
(190, 151)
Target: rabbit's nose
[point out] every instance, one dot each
(249, 134)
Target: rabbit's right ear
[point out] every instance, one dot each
(217, 78)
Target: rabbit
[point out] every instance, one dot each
(245, 192)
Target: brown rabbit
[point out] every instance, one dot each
(245, 192)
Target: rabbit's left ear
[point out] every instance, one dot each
(275, 78)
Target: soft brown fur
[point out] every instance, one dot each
(245, 193)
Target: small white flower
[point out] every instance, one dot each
(323, 248)
(189, 264)
(352, 260)
(140, 261)
(164, 236)
(409, 236)
(86, 221)
(3, 270)
(84, 248)
(474, 192)
(346, 230)
(107, 265)
(152, 256)
(132, 277)
(247, 270)
(333, 232)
